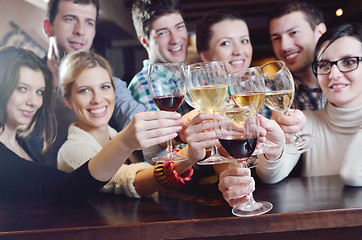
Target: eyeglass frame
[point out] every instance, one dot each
(314, 65)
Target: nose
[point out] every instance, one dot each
(34, 100)
(238, 49)
(96, 97)
(286, 43)
(334, 72)
(175, 37)
(79, 28)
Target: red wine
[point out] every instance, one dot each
(239, 146)
(169, 102)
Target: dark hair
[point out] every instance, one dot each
(11, 60)
(204, 25)
(53, 7)
(343, 30)
(313, 15)
(144, 12)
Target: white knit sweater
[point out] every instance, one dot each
(337, 149)
(81, 146)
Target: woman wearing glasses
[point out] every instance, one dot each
(337, 128)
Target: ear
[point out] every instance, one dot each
(68, 103)
(47, 28)
(143, 41)
(204, 57)
(319, 30)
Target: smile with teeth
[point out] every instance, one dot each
(237, 62)
(338, 86)
(175, 49)
(291, 55)
(99, 110)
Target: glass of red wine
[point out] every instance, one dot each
(167, 86)
(237, 129)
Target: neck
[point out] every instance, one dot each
(8, 135)
(307, 77)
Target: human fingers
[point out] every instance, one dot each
(233, 176)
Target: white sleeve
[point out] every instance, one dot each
(275, 171)
(351, 168)
(123, 180)
(71, 157)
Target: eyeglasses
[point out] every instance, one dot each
(344, 65)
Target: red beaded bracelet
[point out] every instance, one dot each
(165, 174)
(173, 177)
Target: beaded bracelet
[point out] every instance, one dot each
(165, 174)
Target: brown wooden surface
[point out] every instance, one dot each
(304, 208)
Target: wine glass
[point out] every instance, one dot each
(248, 87)
(207, 85)
(167, 86)
(279, 96)
(237, 129)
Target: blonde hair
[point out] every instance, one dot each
(75, 63)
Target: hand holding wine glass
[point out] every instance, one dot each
(279, 96)
(167, 86)
(237, 129)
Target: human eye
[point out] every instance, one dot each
(83, 90)
(324, 66)
(162, 33)
(348, 62)
(69, 19)
(245, 41)
(21, 89)
(40, 92)
(225, 43)
(275, 38)
(91, 23)
(106, 86)
(180, 26)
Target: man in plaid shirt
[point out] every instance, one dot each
(295, 28)
(162, 31)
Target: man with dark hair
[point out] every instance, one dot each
(71, 26)
(295, 28)
(161, 30)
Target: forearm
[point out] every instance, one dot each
(273, 171)
(106, 163)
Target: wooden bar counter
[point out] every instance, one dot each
(304, 208)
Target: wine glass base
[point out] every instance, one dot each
(217, 159)
(169, 157)
(302, 143)
(249, 210)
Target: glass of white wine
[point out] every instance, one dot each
(237, 129)
(207, 84)
(167, 86)
(279, 96)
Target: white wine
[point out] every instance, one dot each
(279, 100)
(209, 97)
(245, 99)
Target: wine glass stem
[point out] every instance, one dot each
(251, 201)
(169, 146)
(214, 151)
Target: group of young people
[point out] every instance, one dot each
(107, 121)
